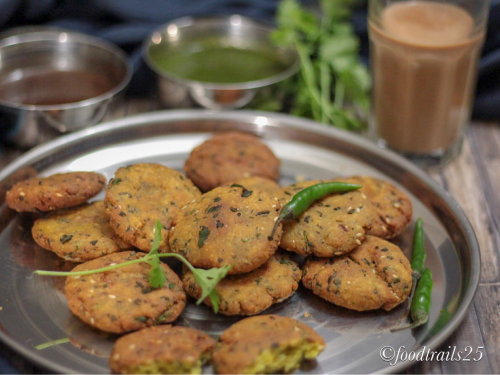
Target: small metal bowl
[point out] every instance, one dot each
(235, 31)
(54, 81)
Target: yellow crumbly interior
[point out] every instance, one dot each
(171, 367)
(284, 359)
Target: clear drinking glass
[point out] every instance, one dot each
(424, 57)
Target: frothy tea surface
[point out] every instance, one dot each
(427, 23)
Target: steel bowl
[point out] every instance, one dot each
(219, 31)
(54, 81)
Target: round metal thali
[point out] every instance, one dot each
(34, 309)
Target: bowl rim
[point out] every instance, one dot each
(54, 34)
(222, 19)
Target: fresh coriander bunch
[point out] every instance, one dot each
(206, 279)
(333, 85)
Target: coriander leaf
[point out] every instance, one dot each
(293, 17)
(337, 46)
(157, 277)
(338, 10)
(66, 238)
(208, 280)
(214, 209)
(356, 81)
(203, 235)
(246, 193)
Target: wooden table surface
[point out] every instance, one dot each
(472, 180)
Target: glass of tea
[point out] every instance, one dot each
(424, 57)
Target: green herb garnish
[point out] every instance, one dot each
(163, 316)
(156, 275)
(286, 261)
(66, 238)
(214, 209)
(245, 193)
(206, 279)
(333, 85)
(203, 235)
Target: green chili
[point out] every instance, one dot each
(303, 199)
(417, 257)
(421, 302)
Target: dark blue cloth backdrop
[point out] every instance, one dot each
(128, 22)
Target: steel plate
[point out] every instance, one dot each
(34, 309)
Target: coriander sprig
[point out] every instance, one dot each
(206, 279)
(333, 85)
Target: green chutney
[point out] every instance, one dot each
(217, 64)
